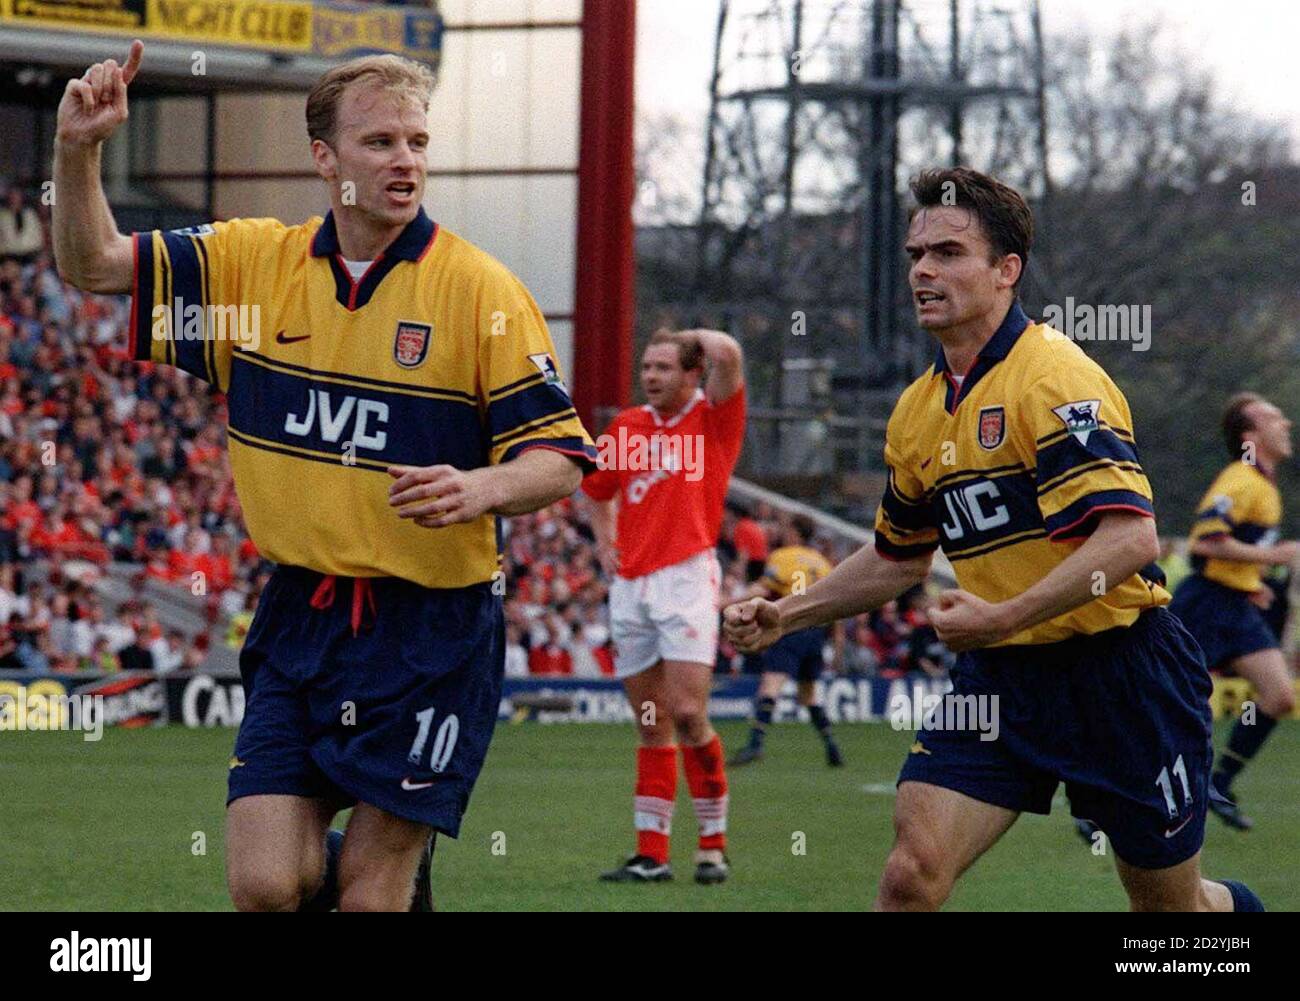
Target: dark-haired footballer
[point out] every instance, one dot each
(1015, 453)
(1224, 600)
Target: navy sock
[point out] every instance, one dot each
(763, 709)
(817, 716)
(1243, 744)
(327, 897)
(1243, 898)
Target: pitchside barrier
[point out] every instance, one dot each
(30, 701)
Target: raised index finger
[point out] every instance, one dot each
(133, 61)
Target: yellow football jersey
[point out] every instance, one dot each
(1244, 503)
(1009, 471)
(794, 568)
(436, 355)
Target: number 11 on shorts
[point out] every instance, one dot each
(445, 741)
(1167, 787)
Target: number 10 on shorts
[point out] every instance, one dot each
(444, 743)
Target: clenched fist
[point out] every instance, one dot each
(94, 106)
(966, 622)
(752, 625)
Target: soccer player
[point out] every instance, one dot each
(397, 395)
(1222, 602)
(791, 569)
(1015, 453)
(663, 475)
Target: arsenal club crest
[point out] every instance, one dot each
(411, 345)
(993, 427)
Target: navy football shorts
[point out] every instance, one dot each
(1122, 717)
(1222, 619)
(797, 654)
(376, 690)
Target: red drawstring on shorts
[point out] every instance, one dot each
(361, 593)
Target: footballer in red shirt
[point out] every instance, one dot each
(662, 477)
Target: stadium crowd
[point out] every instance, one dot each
(103, 460)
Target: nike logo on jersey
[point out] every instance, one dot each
(925, 463)
(1172, 831)
(236, 763)
(281, 339)
(410, 786)
(918, 748)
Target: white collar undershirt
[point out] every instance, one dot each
(357, 268)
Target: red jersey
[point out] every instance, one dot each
(670, 477)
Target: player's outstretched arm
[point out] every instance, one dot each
(1225, 547)
(1122, 544)
(437, 496)
(862, 583)
(89, 251)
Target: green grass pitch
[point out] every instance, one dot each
(113, 826)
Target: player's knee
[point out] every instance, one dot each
(265, 891)
(692, 724)
(1278, 703)
(913, 880)
(374, 895)
(656, 733)
(1166, 899)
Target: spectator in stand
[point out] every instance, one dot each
(168, 652)
(9, 651)
(21, 234)
(216, 565)
(22, 510)
(194, 653)
(582, 655)
(516, 655)
(101, 659)
(860, 658)
(549, 657)
(60, 631)
(119, 631)
(752, 545)
(12, 604)
(888, 640)
(85, 623)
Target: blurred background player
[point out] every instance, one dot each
(791, 569)
(377, 429)
(658, 503)
(1224, 601)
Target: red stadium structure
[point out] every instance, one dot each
(602, 371)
